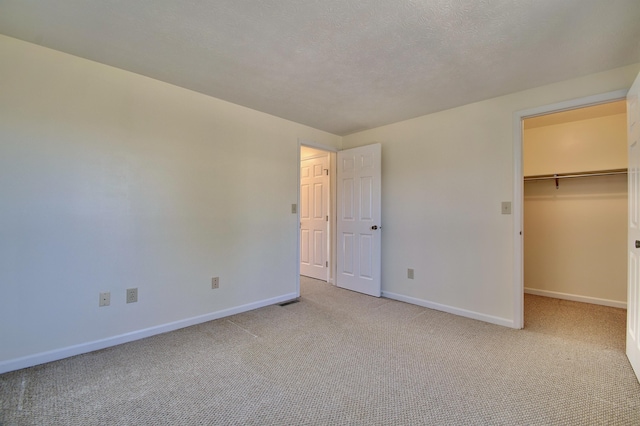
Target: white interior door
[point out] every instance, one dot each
(359, 219)
(314, 216)
(633, 290)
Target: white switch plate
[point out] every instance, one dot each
(294, 208)
(506, 207)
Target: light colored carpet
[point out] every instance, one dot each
(342, 358)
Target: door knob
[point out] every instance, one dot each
(374, 227)
(637, 243)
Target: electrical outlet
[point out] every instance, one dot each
(105, 299)
(132, 295)
(410, 273)
(215, 282)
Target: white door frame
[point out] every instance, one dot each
(332, 197)
(518, 186)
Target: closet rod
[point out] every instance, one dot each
(576, 175)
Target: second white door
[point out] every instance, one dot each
(314, 216)
(359, 227)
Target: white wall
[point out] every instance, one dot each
(575, 236)
(111, 180)
(444, 177)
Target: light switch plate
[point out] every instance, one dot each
(294, 208)
(506, 207)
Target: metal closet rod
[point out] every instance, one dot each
(576, 175)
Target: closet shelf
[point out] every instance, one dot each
(558, 176)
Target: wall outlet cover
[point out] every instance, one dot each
(215, 282)
(132, 295)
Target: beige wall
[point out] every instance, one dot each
(584, 145)
(444, 176)
(575, 236)
(111, 180)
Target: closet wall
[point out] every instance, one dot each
(575, 235)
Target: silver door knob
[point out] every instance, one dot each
(637, 243)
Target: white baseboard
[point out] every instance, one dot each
(451, 309)
(576, 298)
(57, 354)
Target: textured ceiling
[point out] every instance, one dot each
(336, 65)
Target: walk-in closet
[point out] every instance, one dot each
(575, 205)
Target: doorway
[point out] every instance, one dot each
(315, 208)
(519, 184)
(351, 244)
(575, 204)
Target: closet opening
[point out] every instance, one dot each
(575, 206)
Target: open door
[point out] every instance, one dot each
(359, 219)
(314, 216)
(633, 290)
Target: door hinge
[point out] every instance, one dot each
(327, 218)
(326, 263)
(326, 171)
